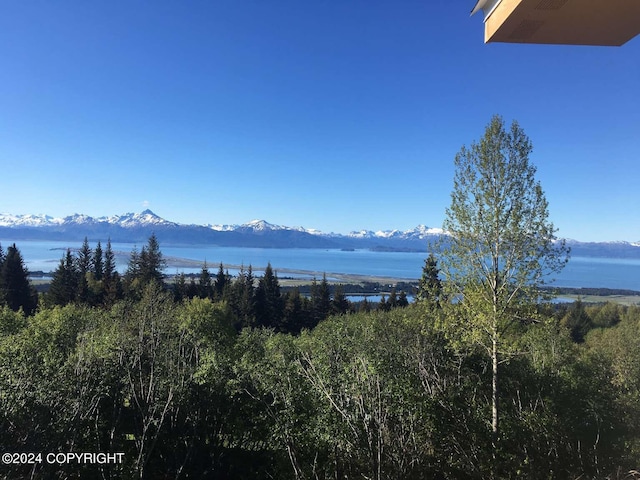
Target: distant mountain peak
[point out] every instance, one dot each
(262, 225)
(130, 227)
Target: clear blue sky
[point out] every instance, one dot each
(335, 115)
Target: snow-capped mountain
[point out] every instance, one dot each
(420, 232)
(137, 227)
(261, 226)
(145, 218)
(8, 220)
(128, 220)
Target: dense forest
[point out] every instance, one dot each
(223, 377)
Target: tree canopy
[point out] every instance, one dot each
(501, 245)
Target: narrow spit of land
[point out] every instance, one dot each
(289, 277)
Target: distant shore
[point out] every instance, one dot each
(288, 277)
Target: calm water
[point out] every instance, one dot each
(580, 272)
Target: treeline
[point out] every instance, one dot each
(177, 379)
(89, 277)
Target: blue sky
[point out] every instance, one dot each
(335, 115)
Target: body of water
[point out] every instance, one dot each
(580, 272)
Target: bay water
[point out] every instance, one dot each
(592, 272)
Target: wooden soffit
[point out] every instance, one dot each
(568, 22)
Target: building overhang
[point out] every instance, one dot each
(568, 22)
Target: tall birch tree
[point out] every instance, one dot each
(501, 246)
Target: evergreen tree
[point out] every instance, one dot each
(383, 305)
(430, 286)
(132, 280)
(320, 300)
(180, 287)
(295, 314)
(63, 288)
(1, 256)
(205, 285)
(340, 303)
(151, 262)
(577, 321)
(365, 306)
(109, 262)
(111, 279)
(269, 306)
(242, 298)
(15, 290)
(84, 258)
(222, 282)
(402, 299)
(98, 265)
(393, 299)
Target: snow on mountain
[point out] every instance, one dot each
(136, 226)
(78, 219)
(9, 220)
(253, 225)
(262, 226)
(145, 218)
(418, 233)
(128, 220)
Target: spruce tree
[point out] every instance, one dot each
(294, 314)
(430, 286)
(320, 300)
(132, 274)
(269, 306)
(180, 287)
(221, 283)
(84, 258)
(111, 279)
(109, 262)
(98, 266)
(15, 290)
(205, 285)
(83, 261)
(243, 298)
(63, 288)
(393, 299)
(340, 303)
(402, 299)
(151, 262)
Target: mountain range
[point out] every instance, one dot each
(137, 227)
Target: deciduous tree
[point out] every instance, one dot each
(501, 244)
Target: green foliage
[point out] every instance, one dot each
(340, 303)
(188, 387)
(268, 301)
(11, 322)
(145, 267)
(205, 284)
(430, 286)
(15, 290)
(63, 288)
(620, 347)
(577, 321)
(320, 301)
(500, 246)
